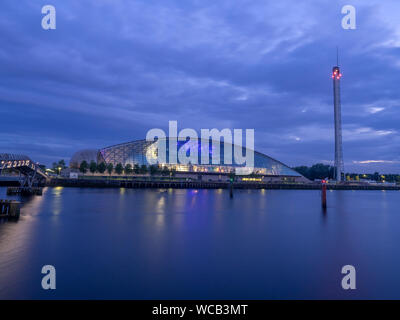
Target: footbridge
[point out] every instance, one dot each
(30, 172)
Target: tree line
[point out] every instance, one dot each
(316, 171)
(323, 171)
(119, 169)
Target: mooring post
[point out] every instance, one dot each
(323, 194)
(14, 210)
(231, 180)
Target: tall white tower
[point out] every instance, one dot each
(339, 167)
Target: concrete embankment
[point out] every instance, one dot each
(114, 183)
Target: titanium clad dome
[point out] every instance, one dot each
(87, 155)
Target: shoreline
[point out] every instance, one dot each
(143, 184)
(160, 184)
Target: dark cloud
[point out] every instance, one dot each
(114, 69)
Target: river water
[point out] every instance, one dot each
(200, 244)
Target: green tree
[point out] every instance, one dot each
(321, 171)
(143, 169)
(93, 167)
(110, 168)
(83, 167)
(153, 169)
(101, 167)
(58, 166)
(119, 168)
(128, 169)
(165, 171)
(62, 164)
(316, 171)
(303, 170)
(136, 168)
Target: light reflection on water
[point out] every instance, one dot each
(178, 243)
(15, 242)
(57, 200)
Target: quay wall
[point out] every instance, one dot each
(111, 183)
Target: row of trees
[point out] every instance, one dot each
(316, 171)
(119, 169)
(322, 171)
(56, 166)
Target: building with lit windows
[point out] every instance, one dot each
(142, 152)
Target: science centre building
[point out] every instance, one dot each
(142, 152)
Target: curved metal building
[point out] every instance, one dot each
(138, 152)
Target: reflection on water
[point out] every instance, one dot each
(57, 200)
(15, 242)
(178, 243)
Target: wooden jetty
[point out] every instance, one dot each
(24, 191)
(10, 209)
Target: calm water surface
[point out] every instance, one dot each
(198, 244)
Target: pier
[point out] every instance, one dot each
(24, 191)
(9, 209)
(30, 178)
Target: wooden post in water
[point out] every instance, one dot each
(10, 209)
(323, 194)
(14, 210)
(3, 207)
(231, 179)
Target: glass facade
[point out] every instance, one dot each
(140, 151)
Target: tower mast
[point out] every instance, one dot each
(336, 75)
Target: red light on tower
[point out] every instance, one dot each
(336, 73)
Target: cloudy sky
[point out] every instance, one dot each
(113, 69)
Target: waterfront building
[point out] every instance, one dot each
(140, 152)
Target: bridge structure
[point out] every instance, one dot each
(30, 172)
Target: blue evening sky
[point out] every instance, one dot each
(113, 69)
